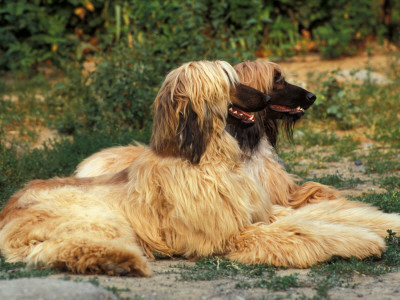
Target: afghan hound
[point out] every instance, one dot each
(188, 193)
(288, 103)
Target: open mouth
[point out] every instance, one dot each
(241, 115)
(285, 109)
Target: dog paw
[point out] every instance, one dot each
(116, 270)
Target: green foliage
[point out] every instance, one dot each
(349, 24)
(118, 94)
(382, 162)
(391, 257)
(337, 181)
(273, 282)
(339, 271)
(337, 102)
(391, 182)
(19, 270)
(310, 138)
(36, 31)
(388, 202)
(215, 267)
(211, 268)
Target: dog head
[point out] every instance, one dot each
(288, 103)
(192, 106)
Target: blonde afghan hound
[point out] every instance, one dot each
(189, 193)
(288, 103)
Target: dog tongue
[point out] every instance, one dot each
(281, 108)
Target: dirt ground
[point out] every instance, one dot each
(165, 283)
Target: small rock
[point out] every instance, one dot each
(364, 75)
(358, 162)
(49, 289)
(367, 145)
(280, 161)
(298, 134)
(360, 295)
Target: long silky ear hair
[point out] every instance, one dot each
(191, 107)
(260, 75)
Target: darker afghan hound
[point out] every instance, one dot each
(189, 193)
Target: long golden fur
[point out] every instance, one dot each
(261, 161)
(176, 200)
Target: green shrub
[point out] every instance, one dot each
(35, 31)
(32, 32)
(336, 101)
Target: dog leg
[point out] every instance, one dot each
(293, 241)
(90, 256)
(85, 238)
(352, 213)
(311, 192)
(78, 253)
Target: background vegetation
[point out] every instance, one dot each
(90, 70)
(56, 31)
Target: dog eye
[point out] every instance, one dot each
(278, 77)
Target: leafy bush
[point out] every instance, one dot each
(121, 90)
(32, 32)
(35, 31)
(337, 102)
(350, 22)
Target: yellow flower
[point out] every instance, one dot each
(80, 12)
(89, 6)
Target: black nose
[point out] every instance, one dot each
(311, 97)
(266, 98)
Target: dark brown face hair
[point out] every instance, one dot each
(287, 105)
(193, 139)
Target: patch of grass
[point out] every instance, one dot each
(391, 182)
(337, 181)
(310, 138)
(388, 202)
(215, 268)
(211, 268)
(19, 270)
(382, 166)
(117, 291)
(323, 276)
(345, 146)
(273, 282)
(94, 281)
(342, 270)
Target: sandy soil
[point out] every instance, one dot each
(165, 284)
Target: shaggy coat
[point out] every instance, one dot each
(256, 141)
(178, 200)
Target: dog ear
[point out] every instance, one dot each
(193, 133)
